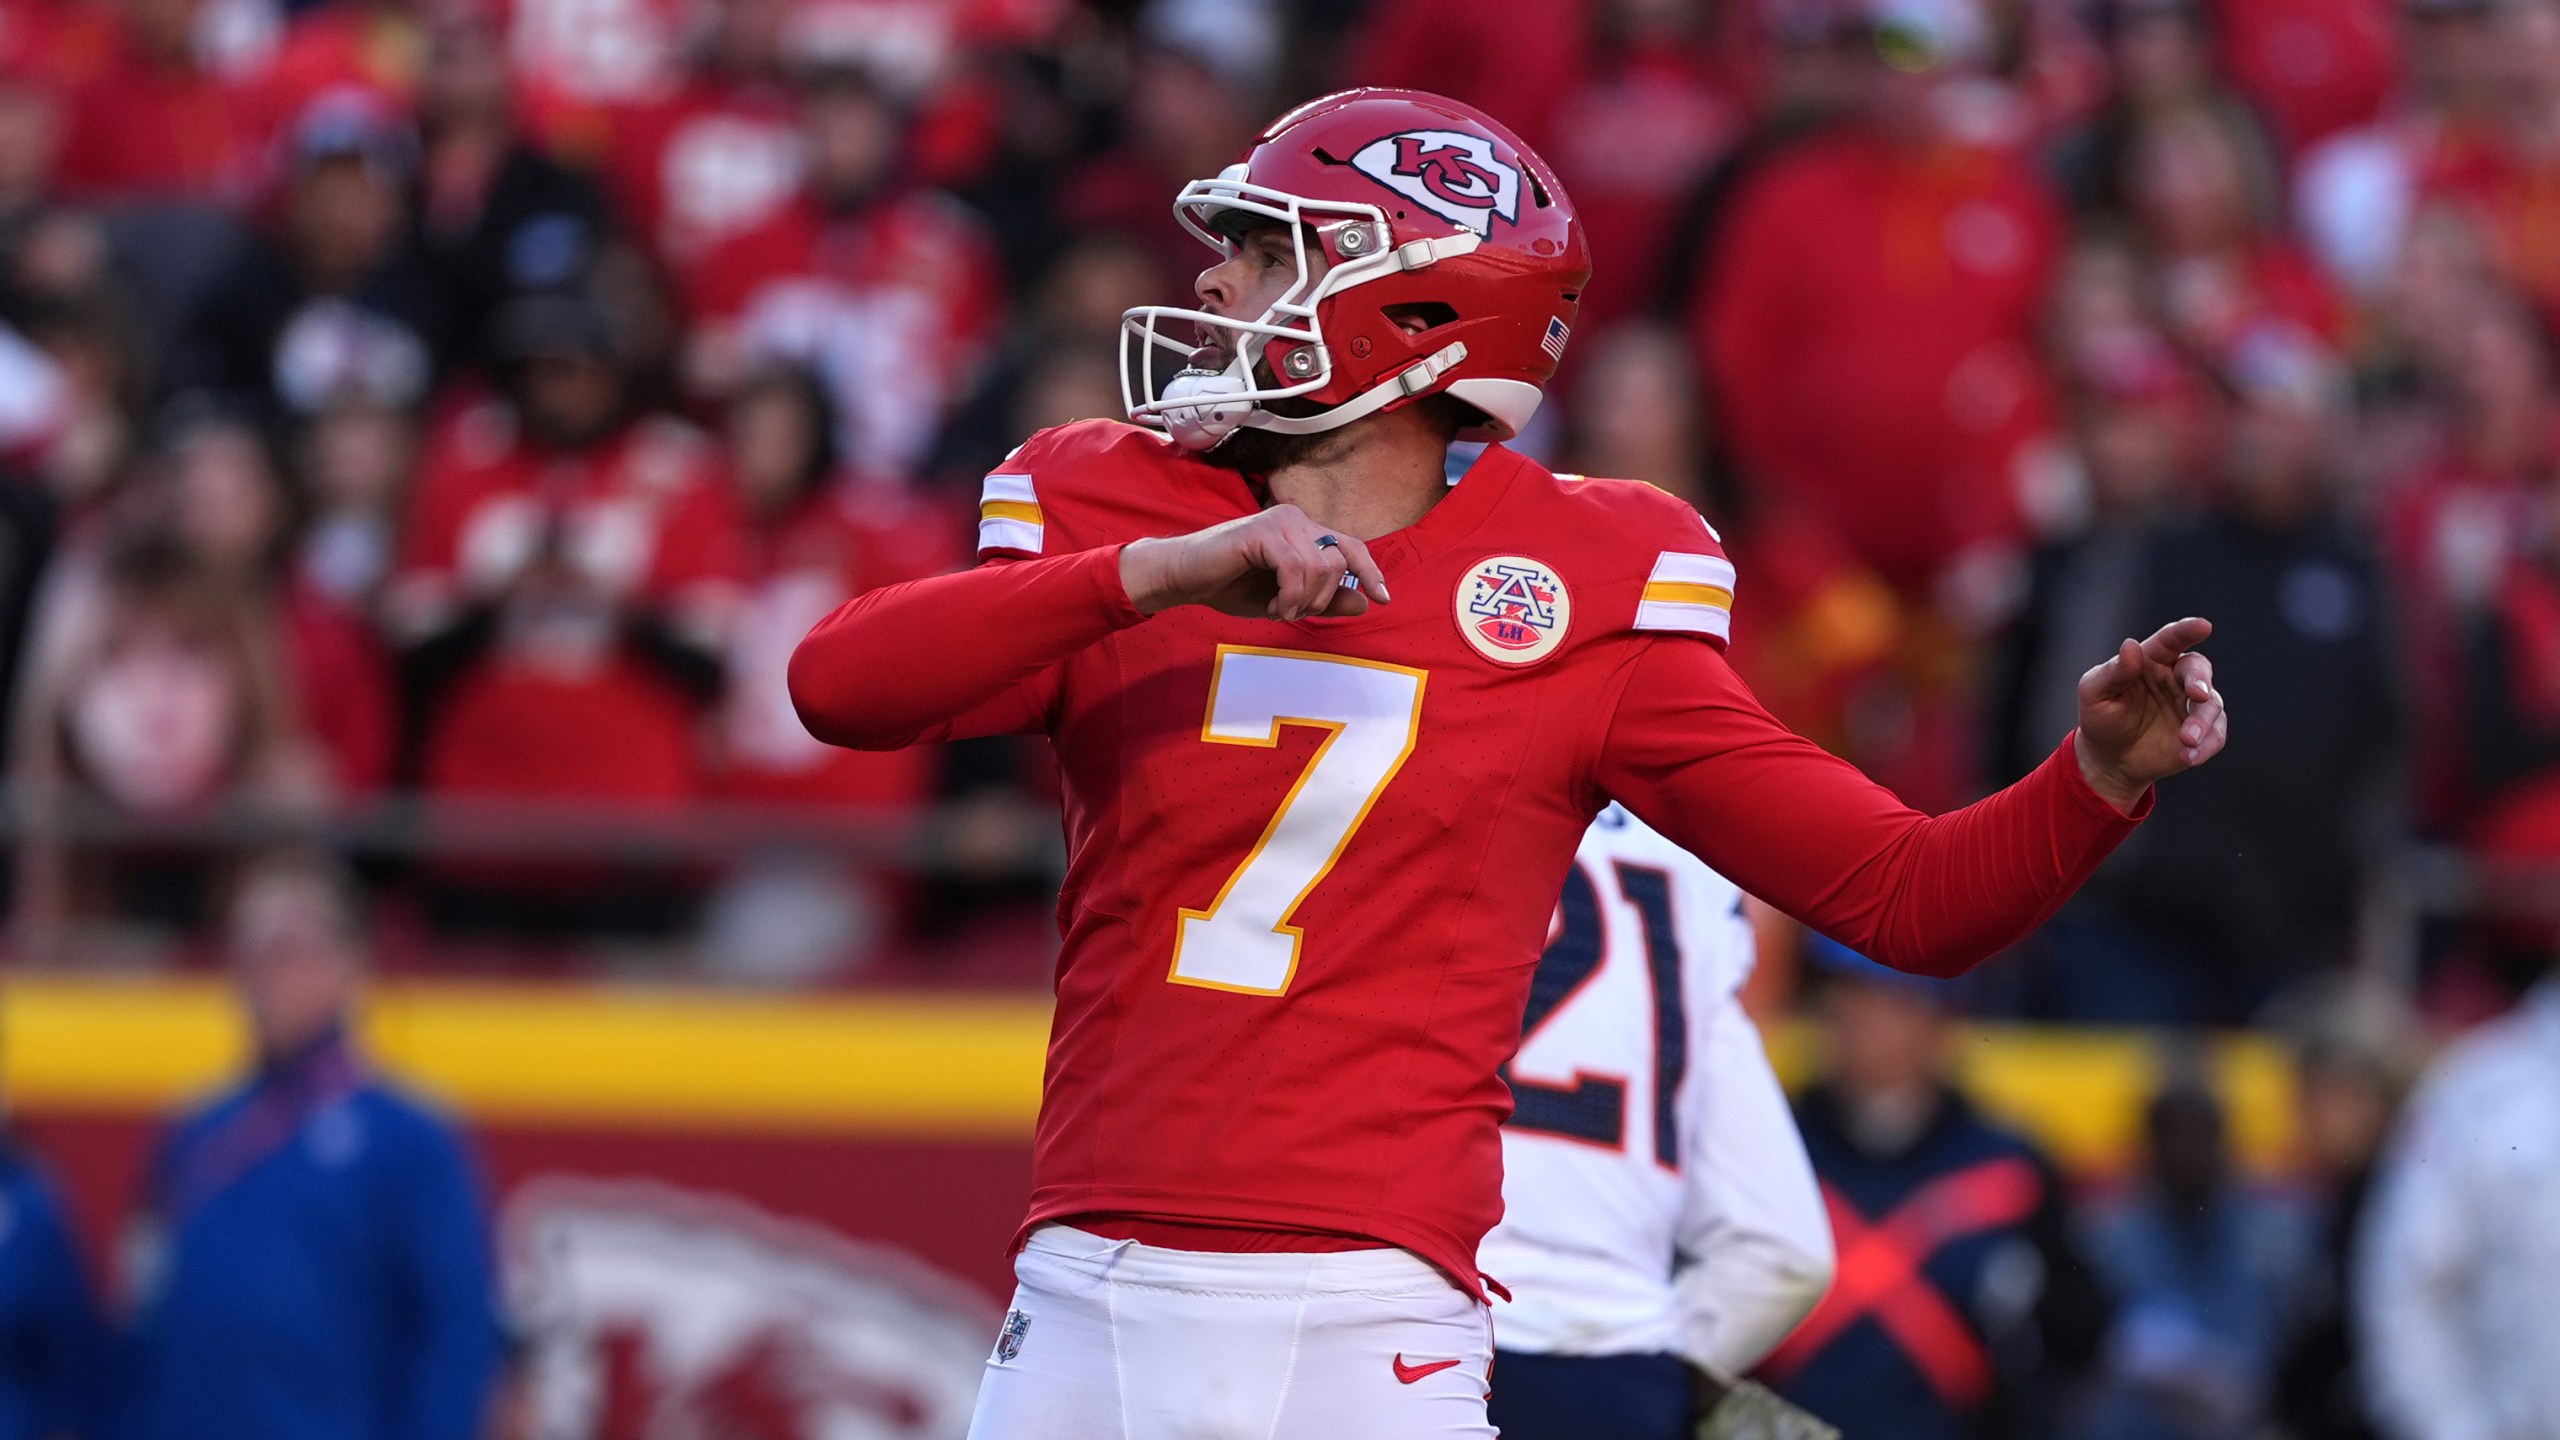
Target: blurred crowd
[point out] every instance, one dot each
(428, 426)
(472, 401)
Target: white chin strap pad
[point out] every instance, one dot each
(1212, 416)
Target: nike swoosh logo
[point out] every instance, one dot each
(1410, 1373)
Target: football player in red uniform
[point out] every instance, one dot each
(1330, 728)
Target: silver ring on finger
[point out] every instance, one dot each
(1327, 542)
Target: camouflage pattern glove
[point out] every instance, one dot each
(1749, 1411)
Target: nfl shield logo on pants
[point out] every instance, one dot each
(1009, 1339)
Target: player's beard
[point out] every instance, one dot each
(1249, 451)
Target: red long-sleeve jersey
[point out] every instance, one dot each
(1312, 864)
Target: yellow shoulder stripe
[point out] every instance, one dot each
(1684, 592)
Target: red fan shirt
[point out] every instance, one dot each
(146, 128)
(644, 521)
(1868, 327)
(896, 304)
(710, 162)
(850, 537)
(1312, 864)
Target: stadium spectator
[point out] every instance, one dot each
(2312, 67)
(2133, 441)
(2201, 196)
(2308, 609)
(2459, 1258)
(2459, 526)
(2498, 178)
(371, 45)
(149, 121)
(1635, 413)
(1663, 99)
(54, 1348)
(313, 1256)
(569, 570)
(2355, 193)
(1867, 319)
(333, 302)
(2049, 74)
(2350, 1077)
(152, 692)
(223, 500)
(1521, 69)
(30, 143)
(1061, 359)
(355, 462)
(89, 342)
(2159, 56)
(1045, 124)
(1962, 1307)
(1198, 80)
(890, 291)
(578, 63)
(818, 535)
(721, 155)
(2209, 1277)
(495, 217)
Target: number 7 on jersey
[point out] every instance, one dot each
(1244, 941)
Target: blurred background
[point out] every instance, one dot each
(426, 427)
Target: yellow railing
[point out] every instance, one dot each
(958, 1066)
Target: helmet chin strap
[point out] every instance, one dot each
(1199, 408)
(1200, 425)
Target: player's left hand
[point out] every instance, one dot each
(2150, 713)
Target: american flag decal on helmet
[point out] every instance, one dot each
(1557, 330)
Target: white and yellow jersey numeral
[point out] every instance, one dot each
(1244, 941)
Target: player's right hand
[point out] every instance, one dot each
(1267, 564)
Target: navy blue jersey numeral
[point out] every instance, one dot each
(1649, 890)
(1593, 1108)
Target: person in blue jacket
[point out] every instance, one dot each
(53, 1346)
(313, 1261)
(1962, 1307)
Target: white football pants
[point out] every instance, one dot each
(1114, 1340)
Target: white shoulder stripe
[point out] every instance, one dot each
(1679, 567)
(1001, 486)
(999, 534)
(1712, 620)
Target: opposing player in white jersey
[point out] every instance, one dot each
(1647, 1126)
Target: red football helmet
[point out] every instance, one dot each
(1455, 264)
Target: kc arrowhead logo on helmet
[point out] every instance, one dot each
(1455, 176)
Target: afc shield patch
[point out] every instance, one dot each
(1513, 610)
(1009, 1339)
